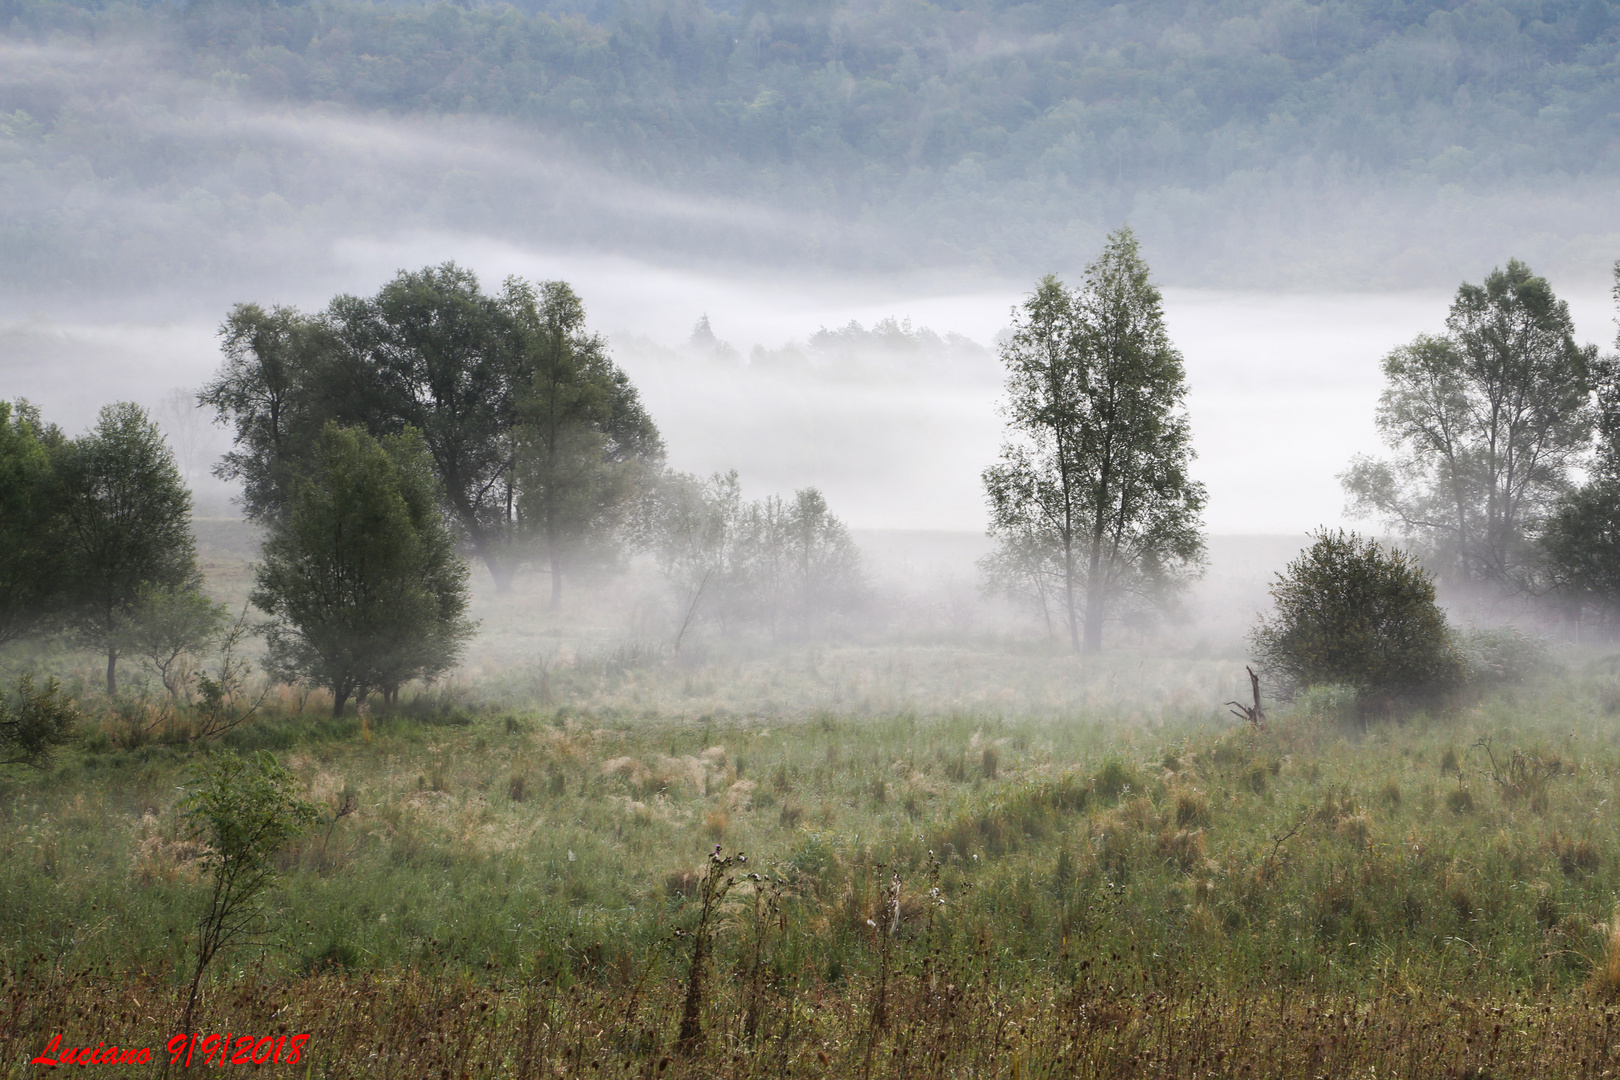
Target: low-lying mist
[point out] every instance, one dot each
(895, 430)
(854, 353)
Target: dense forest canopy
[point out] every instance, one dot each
(976, 131)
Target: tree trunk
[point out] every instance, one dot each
(556, 583)
(1096, 608)
(340, 698)
(1094, 632)
(502, 572)
(112, 674)
(1068, 596)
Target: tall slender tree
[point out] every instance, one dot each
(1096, 469)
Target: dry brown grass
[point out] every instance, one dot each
(941, 1022)
(1605, 979)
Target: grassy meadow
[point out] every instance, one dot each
(971, 857)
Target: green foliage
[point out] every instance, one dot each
(1502, 654)
(31, 565)
(1092, 502)
(126, 528)
(244, 813)
(1487, 421)
(431, 351)
(1351, 612)
(1580, 541)
(790, 567)
(276, 388)
(585, 446)
(34, 722)
(1580, 547)
(362, 573)
(537, 439)
(170, 627)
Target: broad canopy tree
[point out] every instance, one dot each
(584, 445)
(361, 570)
(1092, 502)
(431, 352)
(537, 438)
(1486, 420)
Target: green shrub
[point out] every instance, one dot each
(34, 722)
(1502, 654)
(1349, 611)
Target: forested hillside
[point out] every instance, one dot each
(975, 130)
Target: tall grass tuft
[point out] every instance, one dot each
(1605, 978)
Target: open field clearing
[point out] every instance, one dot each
(1097, 874)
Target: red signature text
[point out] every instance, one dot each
(217, 1050)
(100, 1054)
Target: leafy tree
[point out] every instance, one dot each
(31, 566)
(362, 571)
(1580, 541)
(275, 390)
(1486, 420)
(824, 565)
(168, 626)
(126, 527)
(586, 446)
(440, 356)
(34, 722)
(1353, 613)
(537, 439)
(244, 813)
(1581, 546)
(791, 567)
(1096, 471)
(795, 566)
(693, 531)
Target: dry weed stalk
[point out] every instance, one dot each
(716, 883)
(768, 912)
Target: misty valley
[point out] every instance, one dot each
(736, 538)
